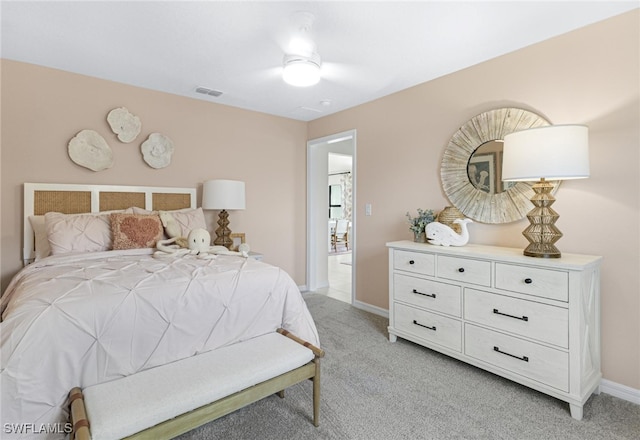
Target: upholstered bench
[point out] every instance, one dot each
(166, 401)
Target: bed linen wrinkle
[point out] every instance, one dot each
(208, 339)
(116, 313)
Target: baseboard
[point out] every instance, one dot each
(621, 391)
(305, 288)
(371, 309)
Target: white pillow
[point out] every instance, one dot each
(142, 211)
(187, 218)
(78, 232)
(40, 232)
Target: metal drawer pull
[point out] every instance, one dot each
(523, 318)
(461, 270)
(528, 281)
(523, 358)
(432, 295)
(411, 262)
(425, 326)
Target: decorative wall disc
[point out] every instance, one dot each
(157, 150)
(125, 124)
(90, 150)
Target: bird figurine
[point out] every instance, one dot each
(442, 235)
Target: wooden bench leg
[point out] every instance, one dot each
(78, 415)
(316, 393)
(316, 377)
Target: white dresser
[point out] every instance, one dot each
(535, 321)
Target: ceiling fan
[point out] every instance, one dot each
(302, 63)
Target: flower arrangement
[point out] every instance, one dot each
(417, 224)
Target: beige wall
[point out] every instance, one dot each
(42, 109)
(590, 76)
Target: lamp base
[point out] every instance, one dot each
(223, 232)
(541, 250)
(542, 232)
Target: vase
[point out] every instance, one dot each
(448, 215)
(420, 237)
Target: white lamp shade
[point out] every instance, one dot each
(223, 194)
(554, 152)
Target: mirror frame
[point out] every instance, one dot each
(505, 207)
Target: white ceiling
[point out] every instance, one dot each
(368, 49)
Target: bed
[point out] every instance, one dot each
(86, 315)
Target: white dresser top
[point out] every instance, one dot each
(513, 255)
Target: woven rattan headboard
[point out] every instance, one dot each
(40, 198)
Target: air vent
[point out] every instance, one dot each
(309, 109)
(305, 113)
(206, 91)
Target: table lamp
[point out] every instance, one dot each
(223, 195)
(554, 152)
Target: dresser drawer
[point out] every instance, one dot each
(428, 326)
(524, 318)
(415, 262)
(528, 359)
(428, 294)
(465, 269)
(552, 284)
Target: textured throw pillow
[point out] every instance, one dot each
(188, 218)
(77, 232)
(42, 247)
(134, 231)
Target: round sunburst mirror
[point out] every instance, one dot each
(472, 166)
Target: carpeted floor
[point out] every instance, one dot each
(372, 389)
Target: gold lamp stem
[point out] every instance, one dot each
(223, 231)
(542, 232)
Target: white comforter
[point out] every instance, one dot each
(78, 320)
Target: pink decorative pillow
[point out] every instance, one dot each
(77, 232)
(134, 231)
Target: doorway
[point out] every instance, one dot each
(331, 195)
(340, 244)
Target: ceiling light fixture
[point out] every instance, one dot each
(301, 63)
(301, 71)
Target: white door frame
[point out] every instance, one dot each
(317, 191)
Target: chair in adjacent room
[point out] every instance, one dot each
(340, 234)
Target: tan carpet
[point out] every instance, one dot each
(372, 389)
